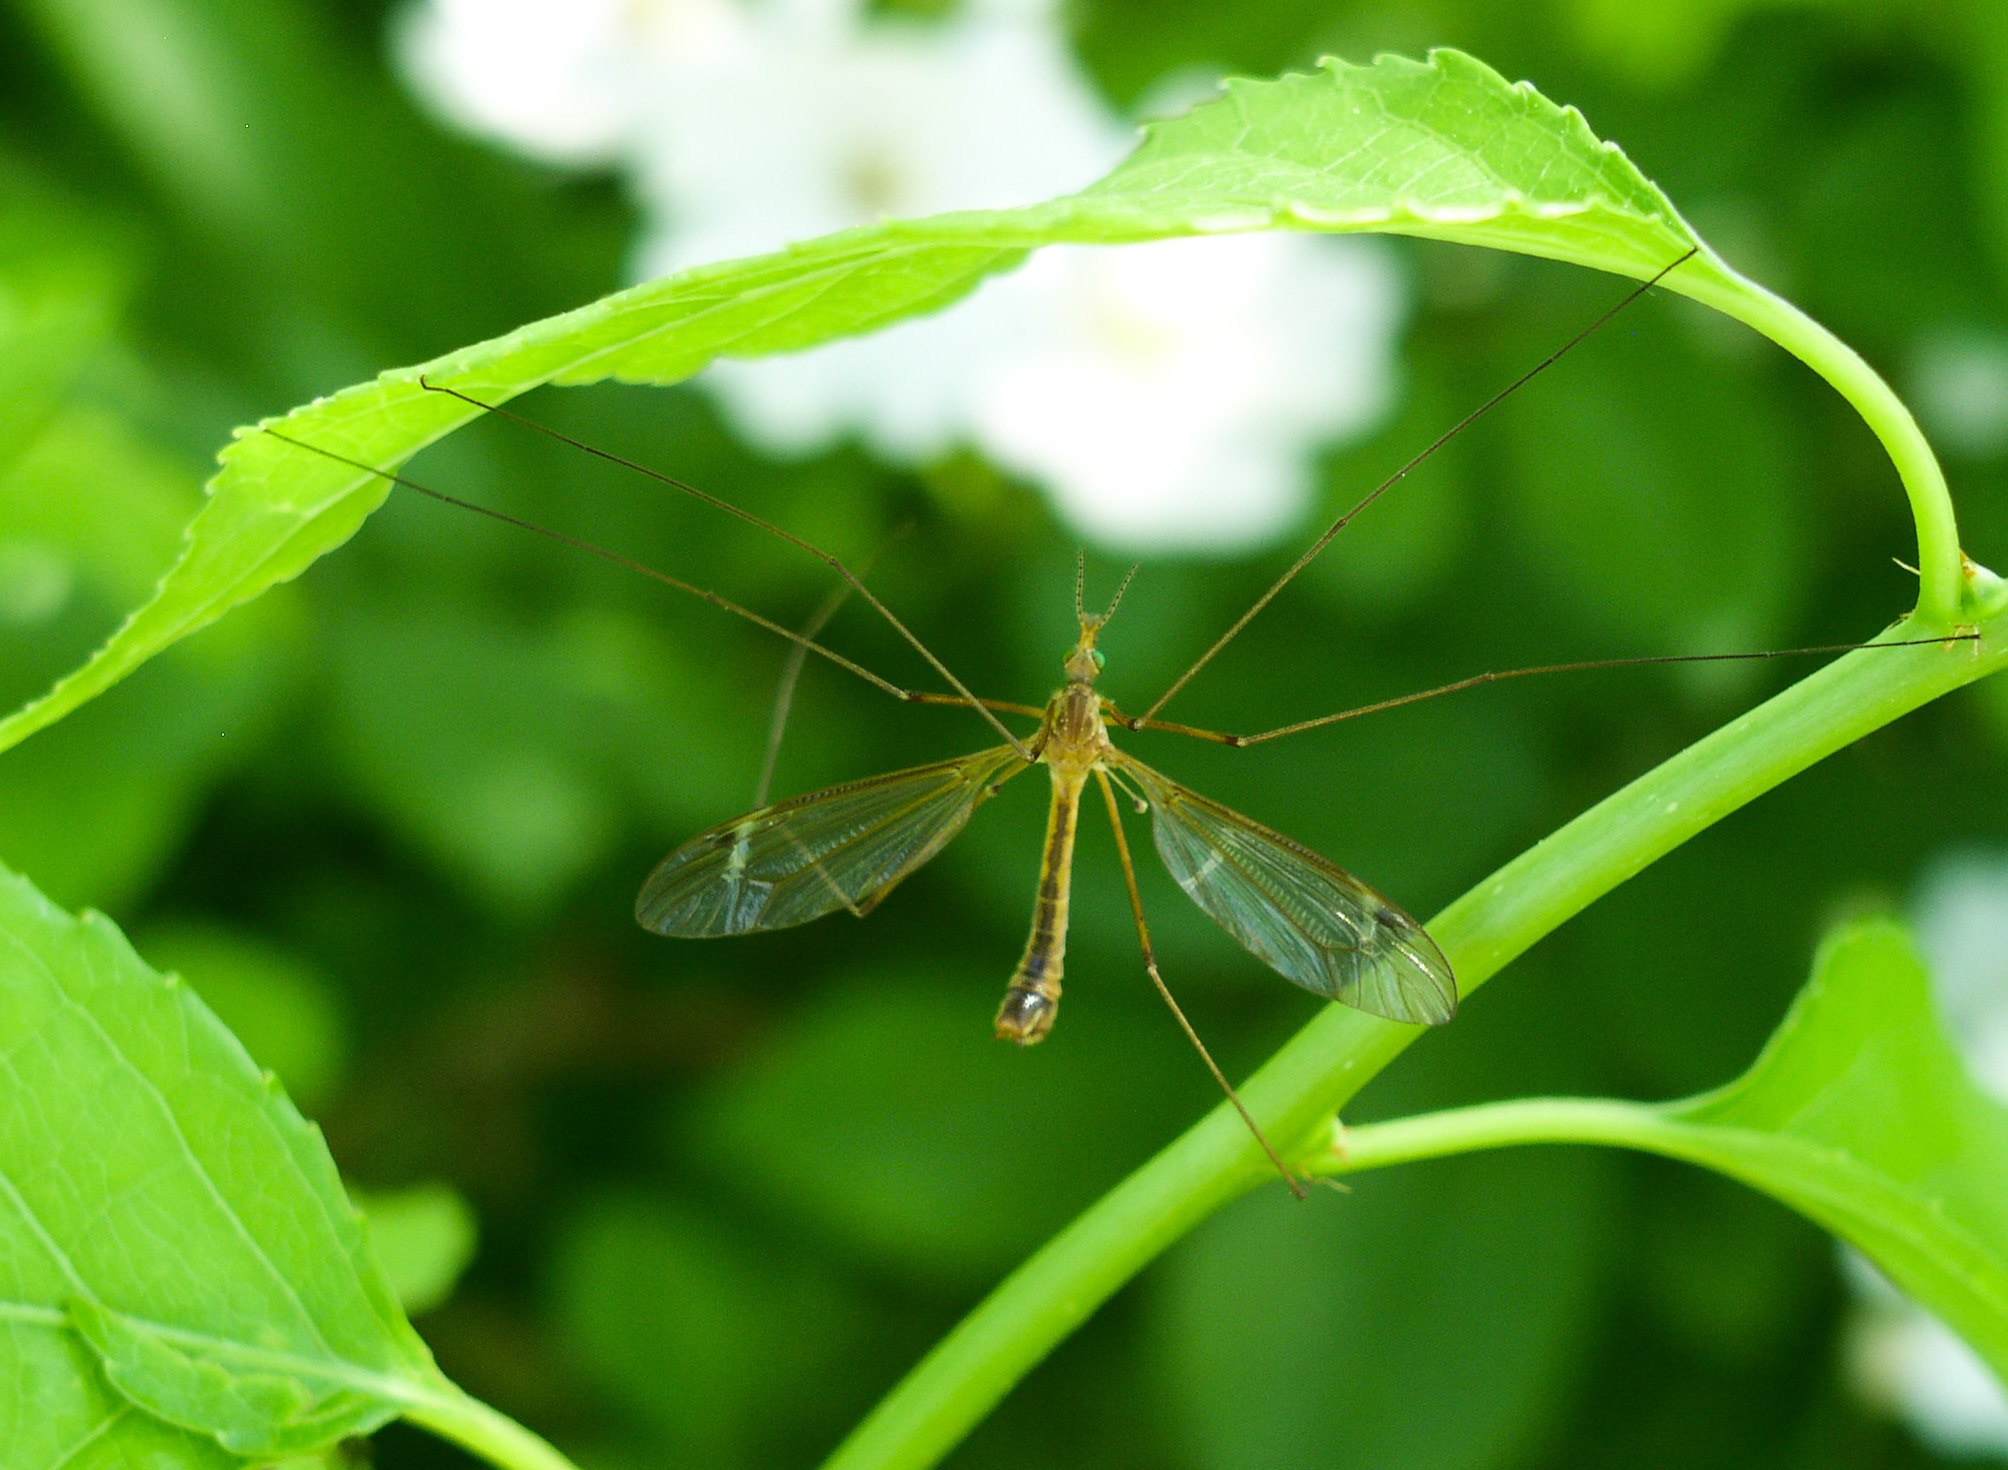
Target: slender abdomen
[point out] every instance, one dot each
(1034, 997)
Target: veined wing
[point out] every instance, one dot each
(1301, 914)
(841, 847)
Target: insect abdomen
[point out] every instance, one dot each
(1034, 995)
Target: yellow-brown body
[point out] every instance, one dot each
(1072, 741)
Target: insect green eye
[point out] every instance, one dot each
(1099, 660)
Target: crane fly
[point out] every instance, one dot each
(848, 846)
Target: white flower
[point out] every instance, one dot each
(1175, 393)
(813, 131)
(553, 80)
(1168, 396)
(1903, 1357)
(817, 134)
(1961, 914)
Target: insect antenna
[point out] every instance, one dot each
(1401, 474)
(1121, 587)
(834, 563)
(1473, 681)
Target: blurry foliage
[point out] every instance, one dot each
(954, 1165)
(1426, 1354)
(697, 1332)
(425, 1237)
(400, 811)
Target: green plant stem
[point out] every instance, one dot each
(1599, 1120)
(1645, 1127)
(489, 1433)
(1320, 1069)
(1942, 598)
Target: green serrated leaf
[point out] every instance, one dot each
(61, 1414)
(1443, 148)
(162, 1202)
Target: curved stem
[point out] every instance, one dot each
(1497, 1125)
(1320, 1069)
(1942, 591)
(489, 1433)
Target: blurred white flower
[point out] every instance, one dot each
(552, 80)
(1172, 395)
(821, 126)
(1959, 379)
(819, 132)
(1910, 1364)
(1902, 1357)
(1961, 916)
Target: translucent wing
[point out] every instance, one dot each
(1299, 913)
(842, 847)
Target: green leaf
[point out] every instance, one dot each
(60, 1414)
(280, 1008)
(162, 1203)
(1860, 1114)
(1443, 148)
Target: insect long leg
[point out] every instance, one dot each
(579, 543)
(1401, 474)
(1164, 991)
(751, 519)
(1004, 706)
(791, 670)
(1297, 727)
(784, 691)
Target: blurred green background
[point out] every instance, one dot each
(390, 819)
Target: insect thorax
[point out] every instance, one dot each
(1075, 736)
